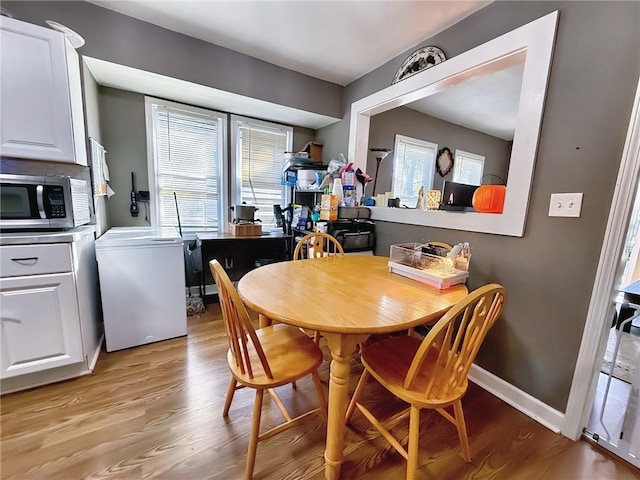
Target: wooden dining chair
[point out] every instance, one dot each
(316, 245)
(435, 248)
(264, 359)
(430, 373)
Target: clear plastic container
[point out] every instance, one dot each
(408, 260)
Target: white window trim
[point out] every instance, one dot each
(223, 190)
(236, 173)
(416, 141)
(469, 155)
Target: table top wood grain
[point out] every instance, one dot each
(351, 294)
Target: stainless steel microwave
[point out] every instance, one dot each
(34, 202)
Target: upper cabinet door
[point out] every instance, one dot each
(35, 104)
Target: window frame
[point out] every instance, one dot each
(223, 191)
(417, 142)
(235, 158)
(471, 156)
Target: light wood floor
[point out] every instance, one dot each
(155, 412)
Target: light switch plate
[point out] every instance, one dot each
(565, 205)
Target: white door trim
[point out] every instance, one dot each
(583, 386)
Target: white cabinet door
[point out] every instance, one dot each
(39, 327)
(77, 106)
(35, 104)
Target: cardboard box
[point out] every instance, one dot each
(314, 149)
(329, 207)
(245, 229)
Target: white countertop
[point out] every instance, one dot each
(59, 236)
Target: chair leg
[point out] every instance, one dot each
(462, 430)
(356, 395)
(255, 432)
(321, 398)
(414, 430)
(316, 337)
(230, 391)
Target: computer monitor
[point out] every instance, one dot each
(457, 196)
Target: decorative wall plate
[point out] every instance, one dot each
(419, 60)
(444, 162)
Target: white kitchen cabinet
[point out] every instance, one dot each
(49, 308)
(39, 323)
(40, 98)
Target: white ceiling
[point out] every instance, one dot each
(488, 103)
(337, 41)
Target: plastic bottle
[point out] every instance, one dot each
(337, 187)
(348, 177)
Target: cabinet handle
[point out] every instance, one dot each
(40, 198)
(26, 260)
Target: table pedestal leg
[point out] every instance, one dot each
(264, 321)
(342, 348)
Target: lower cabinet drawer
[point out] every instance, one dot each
(22, 260)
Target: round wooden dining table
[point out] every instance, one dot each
(347, 298)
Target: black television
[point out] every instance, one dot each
(457, 196)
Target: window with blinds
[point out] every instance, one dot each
(468, 168)
(257, 164)
(413, 167)
(187, 145)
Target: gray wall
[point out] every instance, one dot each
(548, 273)
(122, 117)
(123, 40)
(127, 41)
(92, 122)
(124, 137)
(411, 123)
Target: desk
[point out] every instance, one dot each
(632, 292)
(239, 255)
(347, 299)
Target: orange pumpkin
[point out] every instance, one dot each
(489, 198)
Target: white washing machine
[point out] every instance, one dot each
(142, 284)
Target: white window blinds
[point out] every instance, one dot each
(414, 164)
(188, 156)
(259, 155)
(468, 168)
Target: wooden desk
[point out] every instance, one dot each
(347, 298)
(241, 254)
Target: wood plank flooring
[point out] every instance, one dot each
(155, 412)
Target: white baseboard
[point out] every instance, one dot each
(521, 401)
(45, 377)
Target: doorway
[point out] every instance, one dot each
(614, 420)
(589, 386)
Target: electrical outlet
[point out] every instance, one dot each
(143, 196)
(565, 204)
(228, 262)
